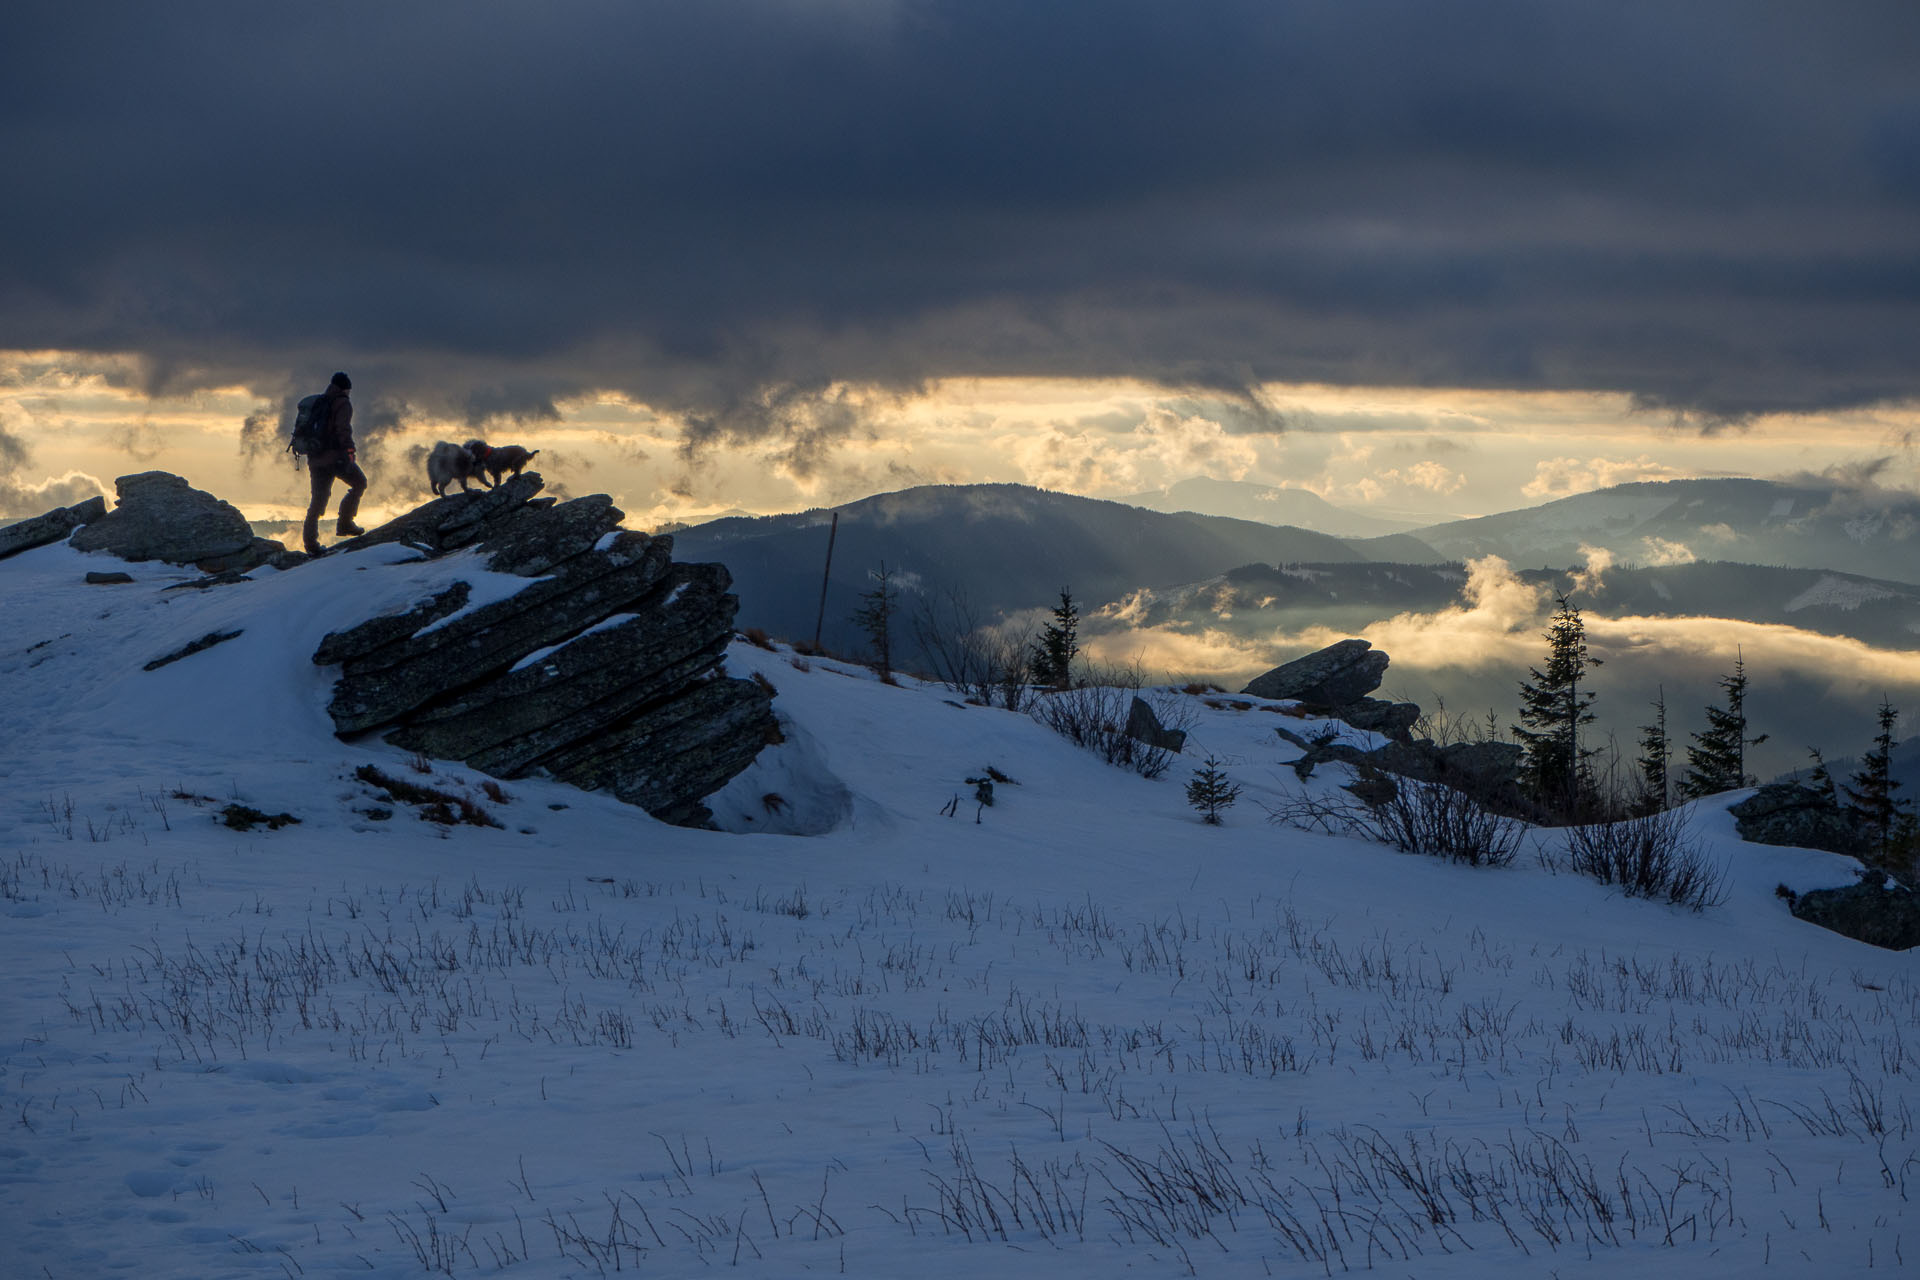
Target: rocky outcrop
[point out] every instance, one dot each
(1144, 726)
(159, 516)
(1337, 675)
(1804, 817)
(1490, 771)
(604, 671)
(38, 531)
(1873, 911)
(1394, 719)
(1336, 681)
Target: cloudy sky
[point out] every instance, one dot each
(1441, 258)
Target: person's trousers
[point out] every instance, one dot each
(322, 478)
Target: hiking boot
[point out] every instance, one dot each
(348, 529)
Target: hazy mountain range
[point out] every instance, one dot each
(1200, 594)
(1807, 525)
(1005, 547)
(1269, 504)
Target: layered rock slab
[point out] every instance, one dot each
(603, 672)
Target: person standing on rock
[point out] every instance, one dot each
(333, 459)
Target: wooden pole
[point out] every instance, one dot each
(833, 531)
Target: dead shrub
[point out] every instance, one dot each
(436, 805)
(1653, 856)
(1428, 818)
(1094, 716)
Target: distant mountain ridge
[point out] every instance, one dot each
(1267, 504)
(1006, 547)
(1806, 525)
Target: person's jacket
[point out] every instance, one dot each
(336, 429)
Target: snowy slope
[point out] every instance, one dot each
(1074, 1033)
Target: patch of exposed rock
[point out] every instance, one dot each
(1489, 771)
(38, 531)
(1804, 817)
(1337, 681)
(1144, 726)
(1873, 911)
(604, 671)
(159, 516)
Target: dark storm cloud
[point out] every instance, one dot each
(726, 207)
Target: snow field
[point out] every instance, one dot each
(1077, 1032)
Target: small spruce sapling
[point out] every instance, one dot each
(1211, 791)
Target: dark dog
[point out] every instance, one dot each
(508, 457)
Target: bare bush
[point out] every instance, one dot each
(1653, 856)
(985, 664)
(1094, 716)
(1413, 816)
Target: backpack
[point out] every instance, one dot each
(308, 420)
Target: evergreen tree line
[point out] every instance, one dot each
(1558, 766)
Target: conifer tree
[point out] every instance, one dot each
(1059, 641)
(1211, 791)
(1656, 758)
(874, 617)
(1886, 820)
(1553, 707)
(1717, 758)
(1821, 779)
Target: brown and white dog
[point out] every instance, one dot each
(449, 462)
(508, 457)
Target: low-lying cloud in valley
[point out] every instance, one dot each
(1808, 688)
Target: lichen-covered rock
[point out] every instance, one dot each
(1336, 676)
(604, 671)
(1787, 813)
(455, 521)
(512, 722)
(1144, 726)
(159, 516)
(408, 673)
(667, 758)
(1394, 719)
(1871, 911)
(51, 526)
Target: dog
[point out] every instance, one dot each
(508, 457)
(450, 462)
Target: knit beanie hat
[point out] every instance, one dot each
(343, 382)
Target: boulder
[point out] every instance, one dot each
(1144, 726)
(1791, 814)
(1873, 911)
(1394, 719)
(1336, 676)
(38, 531)
(603, 671)
(1488, 771)
(98, 579)
(159, 516)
